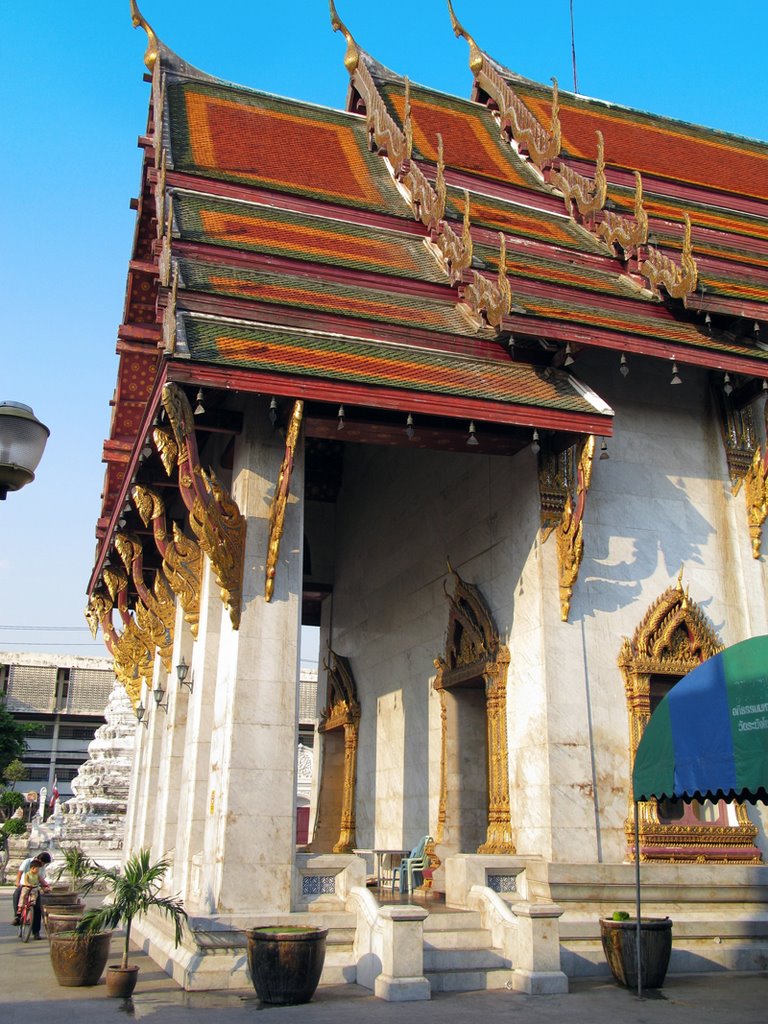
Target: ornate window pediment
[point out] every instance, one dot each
(674, 637)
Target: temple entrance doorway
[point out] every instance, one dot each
(473, 815)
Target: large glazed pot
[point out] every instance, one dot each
(286, 963)
(620, 948)
(79, 959)
(61, 921)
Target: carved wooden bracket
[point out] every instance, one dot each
(756, 495)
(679, 280)
(182, 557)
(214, 516)
(739, 438)
(557, 474)
(280, 499)
(154, 610)
(570, 530)
(342, 711)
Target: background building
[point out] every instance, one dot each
(64, 696)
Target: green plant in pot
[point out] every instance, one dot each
(67, 902)
(131, 893)
(619, 936)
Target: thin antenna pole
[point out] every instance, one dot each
(573, 51)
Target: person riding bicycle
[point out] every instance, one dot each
(31, 875)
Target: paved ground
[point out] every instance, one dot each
(29, 994)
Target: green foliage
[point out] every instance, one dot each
(620, 915)
(12, 743)
(82, 871)
(15, 771)
(13, 827)
(132, 892)
(10, 801)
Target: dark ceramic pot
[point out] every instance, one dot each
(79, 959)
(61, 922)
(286, 963)
(620, 948)
(121, 981)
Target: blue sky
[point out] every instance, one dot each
(74, 103)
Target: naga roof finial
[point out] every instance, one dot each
(352, 56)
(139, 21)
(475, 53)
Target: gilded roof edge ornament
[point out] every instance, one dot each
(475, 53)
(280, 499)
(756, 494)
(588, 194)
(352, 56)
(489, 302)
(679, 280)
(153, 43)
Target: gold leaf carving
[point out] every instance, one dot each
(588, 194)
(139, 21)
(167, 449)
(570, 531)
(678, 279)
(154, 608)
(628, 234)
(280, 499)
(214, 516)
(343, 711)
(352, 56)
(182, 557)
(456, 250)
(426, 201)
(739, 438)
(756, 495)
(488, 301)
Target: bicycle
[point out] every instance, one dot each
(27, 914)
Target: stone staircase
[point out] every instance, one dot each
(459, 956)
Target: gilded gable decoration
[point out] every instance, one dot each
(167, 449)
(428, 201)
(132, 650)
(679, 280)
(515, 119)
(673, 638)
(454, 250)
(570, 530)
(587, 194)
(154, 609)
(214, 516)
(474, 652)
(626, 233)
(182, 557)
(280, 499)
(488, 302)
(557, 474)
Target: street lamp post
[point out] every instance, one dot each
(22, 442)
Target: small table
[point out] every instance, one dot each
(381, 867)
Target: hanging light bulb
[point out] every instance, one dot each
(676, 378)
(273, 410)
(708, 323)
(604, 449)
(409, 431)
(756, 329)
(472, 439)
(511, 344)
(341, 415)
(535, 444)
(199, 407)
(568, 355)
(765, 384)
(623, 365)
(727, 386)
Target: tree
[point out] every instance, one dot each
(12, 733)
(15, 772)
(10, 801)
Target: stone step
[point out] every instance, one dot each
(475, 938)
(461, 920)
(469, 980)
(339, 968)
(463, 959)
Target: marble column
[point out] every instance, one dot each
(250, 830)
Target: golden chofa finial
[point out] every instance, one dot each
(352, 56)
(475, 53)
(139, 21)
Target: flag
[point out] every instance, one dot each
(54, 794)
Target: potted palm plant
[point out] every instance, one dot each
(132, 892)
(64, 906)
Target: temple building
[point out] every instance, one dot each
(477, 386)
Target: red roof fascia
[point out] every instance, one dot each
(602, 337)
(128, 333)
(294, 386)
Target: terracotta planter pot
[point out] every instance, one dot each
(286, 963)
(79, 959)
(620, 948)
(121, 981)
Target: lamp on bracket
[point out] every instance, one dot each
(158, 693)
(141, 713)
(182, 670)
